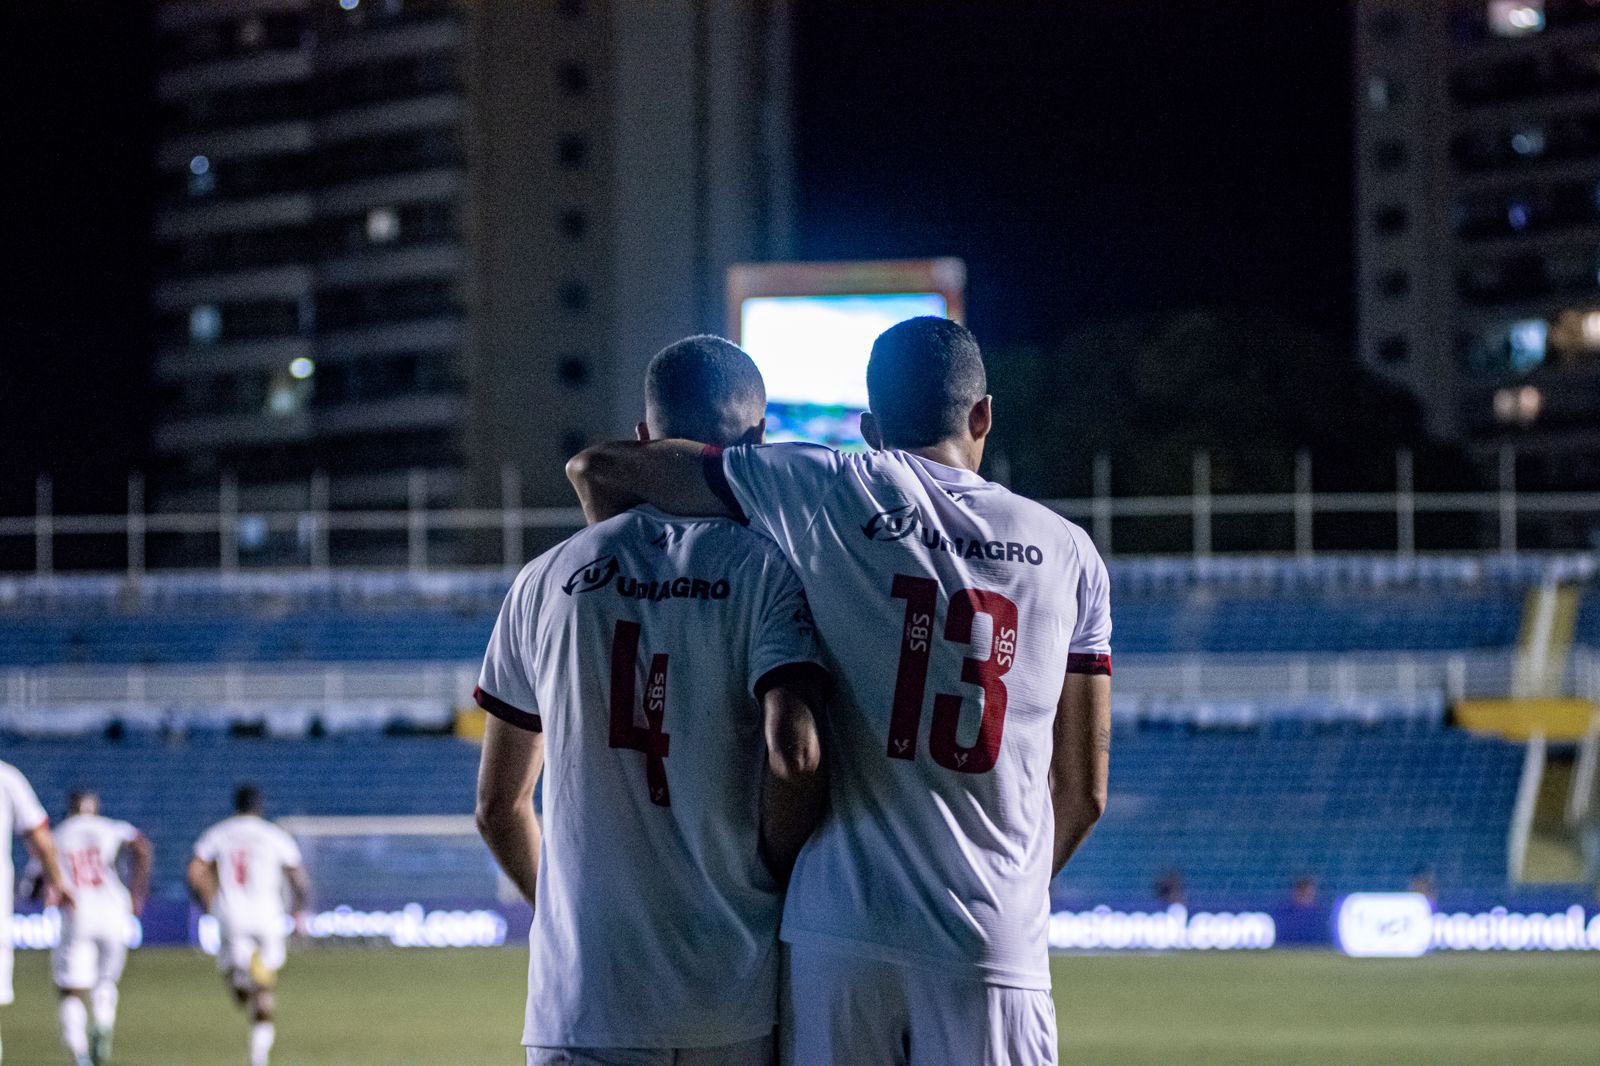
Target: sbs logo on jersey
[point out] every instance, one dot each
(897, 523)
(591, 577)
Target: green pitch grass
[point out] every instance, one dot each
(353, 1007)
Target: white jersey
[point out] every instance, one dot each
(638, 647)
(950, 611)
(88, 846)
(20, 813)
(251, 855)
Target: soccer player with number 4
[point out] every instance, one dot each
(669, 669)
(968, 630)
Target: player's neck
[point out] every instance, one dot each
(962, 455)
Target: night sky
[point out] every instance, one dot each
(1088, 159)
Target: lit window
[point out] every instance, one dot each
(205, 324)
(1526, 342)
(383, 225)
(1518, 215)
(1380, 95)
(349, 5)
(1521, 406)
(1591, 330)
(301, 368)
(202, 181)
(1529, 141)
(1516, 18)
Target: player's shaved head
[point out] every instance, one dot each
(923, 378)
(705, 389)
(83, 801)
(247, 800)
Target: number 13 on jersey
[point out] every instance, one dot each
(911, 679)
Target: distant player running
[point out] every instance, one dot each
(671, 667)
(917, 916)
(87, 962)
(21, 815)
(240, 869)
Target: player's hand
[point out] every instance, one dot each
(59, 896)
(302, 923)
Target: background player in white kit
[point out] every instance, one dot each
(21, 815)
(87, 962)
(239, 872)
(670, 666)
(917, 917)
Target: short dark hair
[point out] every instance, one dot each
(77, 797)
(703, 388)
(923, 378)
(247, 800)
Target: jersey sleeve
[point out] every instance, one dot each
(206, 849)
(124, 832)
(27, 813)
(784, 633)
(505, 685)
(776, 488)
(1090, 649)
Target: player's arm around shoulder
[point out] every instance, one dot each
(670, 474)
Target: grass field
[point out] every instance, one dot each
(350, 1007)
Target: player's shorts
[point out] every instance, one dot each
(251, 957)
(82, 962)
(757, 1052)
(844, 1010)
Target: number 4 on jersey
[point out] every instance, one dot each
(911, 679)
(625, 733)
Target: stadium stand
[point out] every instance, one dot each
(1244, 813)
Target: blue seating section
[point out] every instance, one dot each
(1194, 620)
(173, 791)
(1245, 813)
(1199, 620)
(245, 635)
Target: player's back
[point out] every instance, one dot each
(250, 854)
(19, 812)
(656, 921)
(88, 845)
(948, 608)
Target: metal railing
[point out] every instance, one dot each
(314, 527)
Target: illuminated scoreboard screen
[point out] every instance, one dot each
(810, 328)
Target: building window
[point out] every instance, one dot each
(383, 225)
(1382, 93)
(574, 224)
(1515, 18)
(1389, 155)
(1390, 220)
(572, 150)
(1393, 284)
(569, 9)
(574, 296)
(1394, 349)
(1529, 141)
(1526, 342)
(205, 324)
(573, 371)
(574, 79)
(572, 442)
(202, 180)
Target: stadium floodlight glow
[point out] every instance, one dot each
(301, 368)
(810, 328)
(1390, 925)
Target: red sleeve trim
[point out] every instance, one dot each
(1082, 662)
(717, 482)
(507, 713)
